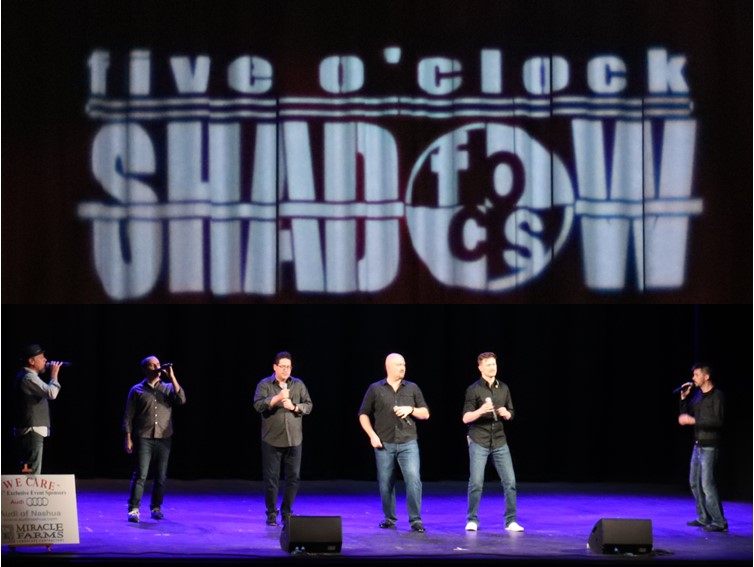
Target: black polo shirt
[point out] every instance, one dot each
(378, 404)
(485, 431)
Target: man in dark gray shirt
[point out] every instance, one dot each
(148, 426)
(31, 408)
(282, 401)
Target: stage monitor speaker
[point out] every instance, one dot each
(621, 536)
(312, 534)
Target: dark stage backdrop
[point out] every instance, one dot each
(591, 385)
(373, 151)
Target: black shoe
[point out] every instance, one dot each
(157, 514)
(272, 519)
(696, 524)
(387, 524)
(714, 528)
(418, 528)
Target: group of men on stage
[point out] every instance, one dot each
(387, 415)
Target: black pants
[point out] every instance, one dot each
(272, 459)
(30, 447)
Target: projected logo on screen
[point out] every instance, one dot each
(218, 185)
(502, 202)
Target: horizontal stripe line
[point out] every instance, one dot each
(146, 115)
(389, 100)
(399, 109)
(344, 211)
(267, 109)
(215, 115)
(436, 116)
(637, 209)
(240, 211)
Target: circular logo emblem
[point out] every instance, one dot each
(488, 207)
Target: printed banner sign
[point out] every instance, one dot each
(39, 510)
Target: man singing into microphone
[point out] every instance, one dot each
(282, 401)
(488, 403)
(148, 426)
(32, 408)
(705, 410)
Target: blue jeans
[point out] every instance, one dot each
(147, 451)
(407, 457)
(709, 509)
(30, 448)
(271, 460)
(501, 457)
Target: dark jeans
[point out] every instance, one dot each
(30, 448)
(150, 451)
(272, 458)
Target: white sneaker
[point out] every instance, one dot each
(514, 527)
(471, 527)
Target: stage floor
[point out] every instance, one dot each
(222, 521)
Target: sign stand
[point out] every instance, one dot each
(39, 510)
(13, 547)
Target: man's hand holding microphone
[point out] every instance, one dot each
(488, 407)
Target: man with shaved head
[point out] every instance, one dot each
(387, 415)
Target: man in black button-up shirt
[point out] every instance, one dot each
(488, 403)
(282, 400)
(394, 403)
(148, 425)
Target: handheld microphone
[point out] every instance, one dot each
(682, 386)
(494, 413)
(49, 362)
(166, 366)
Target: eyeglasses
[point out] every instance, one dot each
(284, 366)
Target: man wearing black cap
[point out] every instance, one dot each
(32, 410)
